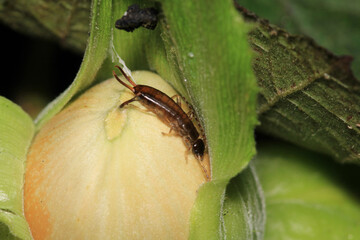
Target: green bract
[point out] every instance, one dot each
(17, 130)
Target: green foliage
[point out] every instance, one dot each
(307, 95)
(333, 24)
(17, 130)
(95, 54)
(307, 197)
(244, 195)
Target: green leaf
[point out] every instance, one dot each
(242, 214)
(17, 130)
(333, 24)
(244, 207)
(209, 54)
(307, 95)
(215, 68)
(206, 216)
(95, 54)
(307, 197)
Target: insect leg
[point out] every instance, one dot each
(128, 101)
(177, 98)
(190, 114)
(169, 133)
(146, 111)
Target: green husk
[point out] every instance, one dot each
(244, 205)
(213, 61)
(17, 130)
(95, 53)
(207, 57)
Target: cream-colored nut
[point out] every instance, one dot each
(95, 171)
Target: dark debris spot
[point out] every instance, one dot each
(136, 17)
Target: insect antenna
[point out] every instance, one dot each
(127, 77)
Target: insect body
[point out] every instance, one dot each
(168, 111)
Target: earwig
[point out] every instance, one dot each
(168, 111)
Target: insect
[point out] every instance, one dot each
(168, 111)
